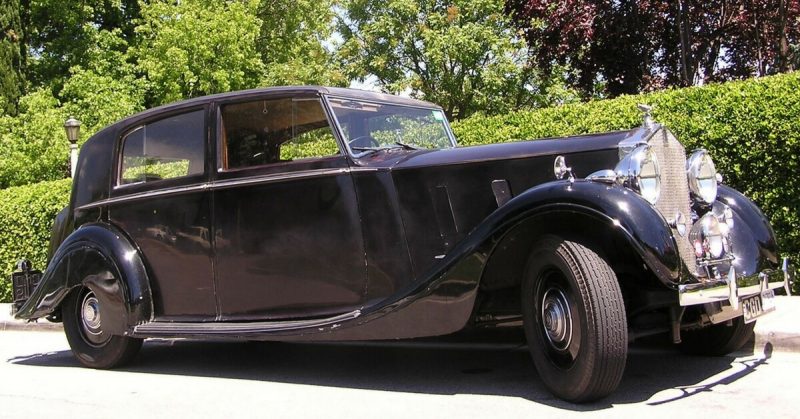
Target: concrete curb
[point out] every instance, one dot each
(779, 330)
(8, 322)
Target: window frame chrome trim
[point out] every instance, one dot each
(220, 184)
(121, 138)
(217, 145)
(338, 127)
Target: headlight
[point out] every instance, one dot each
(702, 176)
(639, 171)
(709, 238)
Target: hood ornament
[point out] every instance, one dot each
(647, 119)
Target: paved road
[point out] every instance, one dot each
(38, 377)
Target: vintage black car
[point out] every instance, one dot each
(326, 214)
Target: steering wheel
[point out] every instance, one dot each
(363, 141)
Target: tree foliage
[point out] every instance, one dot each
(11, 79)
(26, 216)
(463, 55)
(633, 45)
(197, 47)
(33, 146)
(292, 41)
(58, 33)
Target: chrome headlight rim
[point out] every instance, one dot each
(639, 171)
(702, 177)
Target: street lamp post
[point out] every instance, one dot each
(73, 127)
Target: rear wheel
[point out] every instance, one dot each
(717, 340)
(574, 320)
(93, 346)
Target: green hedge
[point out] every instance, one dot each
(751, 128)
(26, 216)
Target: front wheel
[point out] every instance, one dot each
(93, 346)
(574, 320)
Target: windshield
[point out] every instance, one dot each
(369, 126)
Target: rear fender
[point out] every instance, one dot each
(99, 257)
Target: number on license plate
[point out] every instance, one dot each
(758, 305)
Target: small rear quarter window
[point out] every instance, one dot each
(168, 148)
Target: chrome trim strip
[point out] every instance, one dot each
(218, 185)
(277, 177)
(157, 328)
(720, 290)
(143, 195)
(789, 273)
(368, 169)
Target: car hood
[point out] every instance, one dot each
(404, 159)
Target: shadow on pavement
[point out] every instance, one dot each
(443, 366)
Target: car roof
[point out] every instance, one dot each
(289, 90)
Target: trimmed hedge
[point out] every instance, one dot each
(26, 217)
(751, 128)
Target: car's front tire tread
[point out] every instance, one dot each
(603, 324)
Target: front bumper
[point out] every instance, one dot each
(733, 288)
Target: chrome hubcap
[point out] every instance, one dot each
(556, 319)
(90, 318)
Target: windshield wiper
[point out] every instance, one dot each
(397, 145)
(407, 146)
(356, 148)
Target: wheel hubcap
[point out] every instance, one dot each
(556, 319)
(90, 319)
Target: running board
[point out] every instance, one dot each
(157, 328)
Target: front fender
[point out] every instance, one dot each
(99, 257)
(614, 206)
(752, 239)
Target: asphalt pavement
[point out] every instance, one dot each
(184, 378)
(780, 329)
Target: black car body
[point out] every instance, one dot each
(312, 213)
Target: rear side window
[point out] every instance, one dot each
(169, 148)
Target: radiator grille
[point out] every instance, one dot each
(674, 188)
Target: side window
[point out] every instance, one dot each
(275, 130)
(165, 149)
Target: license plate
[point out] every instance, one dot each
(758, 305)
(23, 284)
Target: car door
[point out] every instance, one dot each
(286, 224)
(160, 199)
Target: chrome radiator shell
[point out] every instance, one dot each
(674, 190)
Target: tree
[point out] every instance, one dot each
(197, 47)
(59, 32)
(11, 80)
(291, 42)
(632, 45)
(463, 55)
(33, 147)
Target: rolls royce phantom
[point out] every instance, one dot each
(315, 213)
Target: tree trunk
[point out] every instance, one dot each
(687, 76)
(783, 63)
